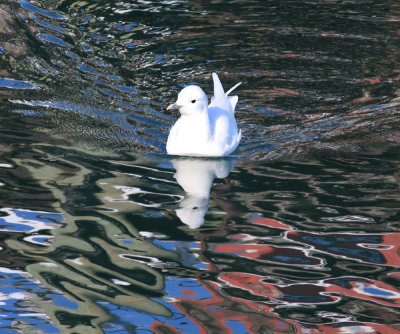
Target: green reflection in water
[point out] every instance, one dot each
(92, 256)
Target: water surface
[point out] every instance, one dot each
(102, 232)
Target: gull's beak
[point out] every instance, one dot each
(173, 106)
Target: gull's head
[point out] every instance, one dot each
(191, 100)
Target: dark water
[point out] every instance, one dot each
(101, 231)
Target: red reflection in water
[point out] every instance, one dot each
(240, 302)
(387, 245)
(219, 312)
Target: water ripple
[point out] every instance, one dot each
(296, 233)
(51, 14)
(17, 84)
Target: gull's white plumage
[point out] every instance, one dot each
(204, 130)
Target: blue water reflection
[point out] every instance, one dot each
(23, 221)
(22, 296)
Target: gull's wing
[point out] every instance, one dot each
(220, 98)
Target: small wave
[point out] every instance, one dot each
(17, 84)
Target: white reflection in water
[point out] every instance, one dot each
(196, 177)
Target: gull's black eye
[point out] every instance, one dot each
(193, 101)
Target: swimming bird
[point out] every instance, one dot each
(205, 130)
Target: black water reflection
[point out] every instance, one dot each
(299, 233)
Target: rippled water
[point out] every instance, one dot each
(101, 231)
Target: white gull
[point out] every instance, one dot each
(205, 130)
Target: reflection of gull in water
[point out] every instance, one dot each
(196, 177)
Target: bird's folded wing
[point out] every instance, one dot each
(220, 98)
(233, 101)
